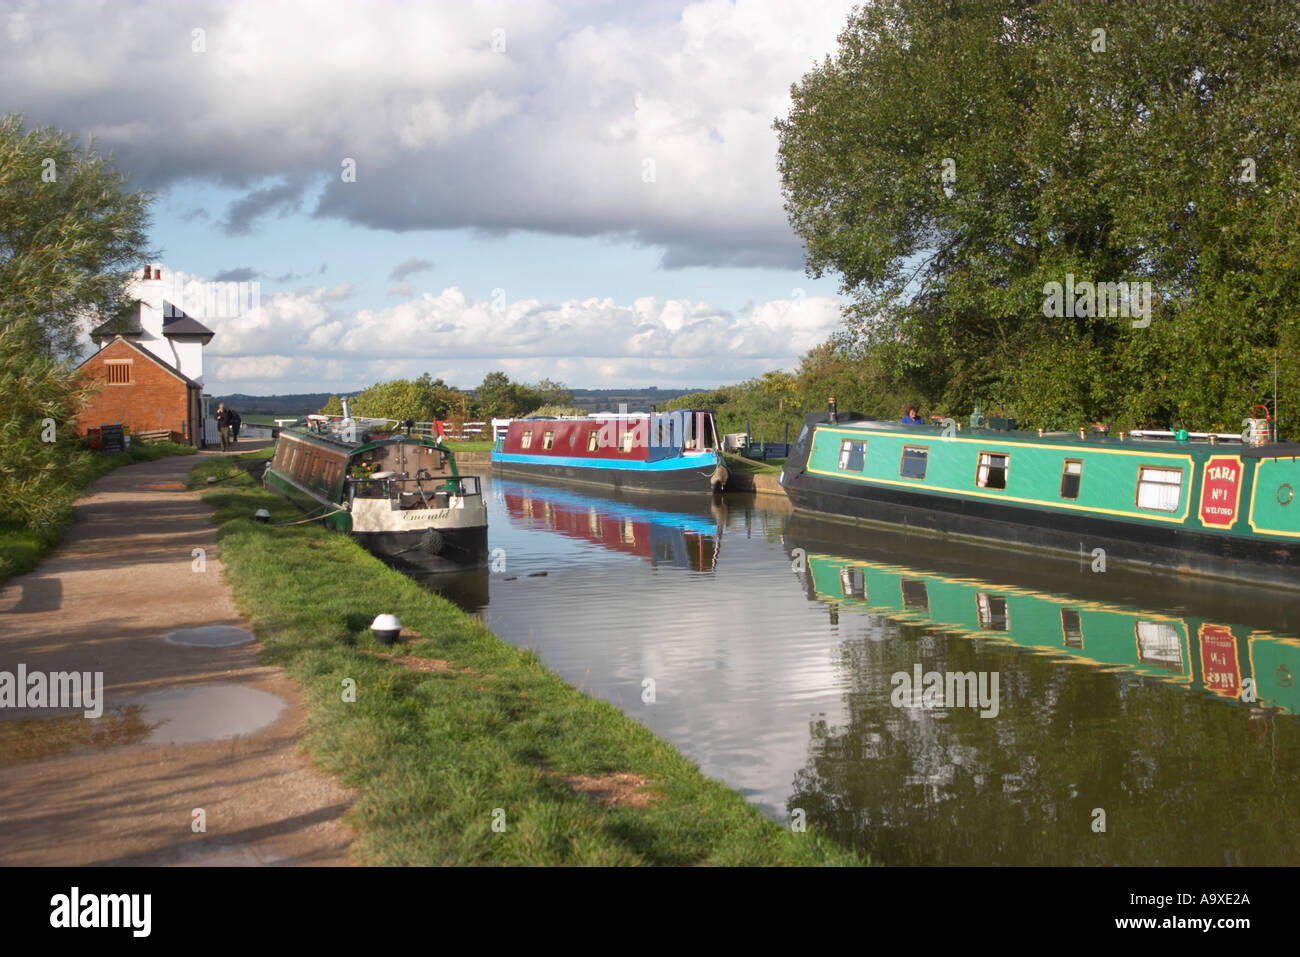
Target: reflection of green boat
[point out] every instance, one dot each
(1229, 661)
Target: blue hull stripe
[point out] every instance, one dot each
(704, 461)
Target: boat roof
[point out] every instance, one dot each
(1232, 443)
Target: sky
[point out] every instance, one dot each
(583, 191)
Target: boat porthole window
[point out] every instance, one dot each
(1071, 476)
(1285, 493)
(853, 453)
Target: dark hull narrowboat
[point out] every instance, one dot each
(666, 452)
(1222, 510)
(400, 496)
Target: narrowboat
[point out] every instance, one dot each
(1232, 662)
(1211, 505)
(647, 452)
(398, 494)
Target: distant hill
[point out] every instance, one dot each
(592, 400)
(281, 405)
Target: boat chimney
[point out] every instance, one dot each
(347, 413)
(830, 407)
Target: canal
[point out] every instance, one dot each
(925, 702)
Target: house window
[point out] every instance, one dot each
(1158, 488)
(993, 470)
(119, 373)
(593, 437)
(1071, 473)
(852, 455)
(914, 461)
(1071, 628)
(548, 439)
(526, 440)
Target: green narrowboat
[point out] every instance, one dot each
(399, 495)
(1212, 507)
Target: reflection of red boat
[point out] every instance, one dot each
(632, 531)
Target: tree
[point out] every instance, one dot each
(70, 235)
(953, 160)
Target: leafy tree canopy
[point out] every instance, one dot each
(951, 160)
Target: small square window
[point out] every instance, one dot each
(993, 470)
(915, 458)
(526, 441)
(548, 439)
(1071, 474)
(852, 455)
(853, 583)
(993, 612)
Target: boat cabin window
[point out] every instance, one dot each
(593, 440)
(1159, 488)
(993, 470)
(1071, 473)
(852, 455)
(993, 612)
(853, 583)
(915, 596)
(526, 440)
(573, 437)
(1159, 644)
(548, 439)
(627, 441)
(914, 461)
(1071, 628)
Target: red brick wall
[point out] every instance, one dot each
(154, 399)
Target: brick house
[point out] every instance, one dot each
(150, 361)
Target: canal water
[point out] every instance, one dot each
(927, 703)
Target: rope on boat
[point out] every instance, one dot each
(311, 518)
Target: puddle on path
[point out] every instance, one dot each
(207, 713)
(208, 636)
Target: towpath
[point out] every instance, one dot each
(186, 727)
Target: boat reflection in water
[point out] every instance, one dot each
(1134, 727)
(646, 528)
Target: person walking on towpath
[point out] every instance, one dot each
(235, 422)
(224, 422)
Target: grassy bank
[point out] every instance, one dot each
(457, 730)
(737, 463)
(22, 546)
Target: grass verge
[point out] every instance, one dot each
(738, 463)
(22, 545)
(455, 730)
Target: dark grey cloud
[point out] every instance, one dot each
(241, 274)
(409, 268)
(242, 214)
